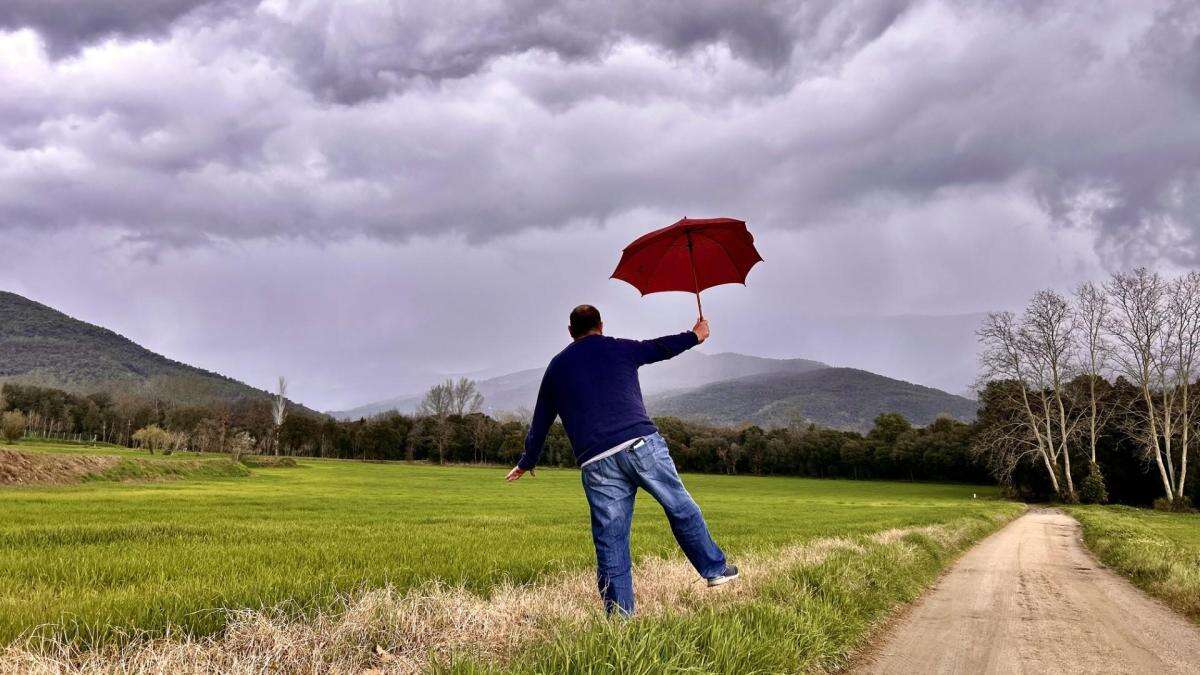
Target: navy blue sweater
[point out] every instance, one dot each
(593, 385)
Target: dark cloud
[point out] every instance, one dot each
(349, 53)
(68, 25)
(348, 57)
(324, 120)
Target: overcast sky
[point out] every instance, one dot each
(362, 194)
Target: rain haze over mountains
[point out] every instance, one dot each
(366, 197)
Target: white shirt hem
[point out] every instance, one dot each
(611, 451)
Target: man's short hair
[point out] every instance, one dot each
(584, 319)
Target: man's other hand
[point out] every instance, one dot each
(701, 329)
(516, 473)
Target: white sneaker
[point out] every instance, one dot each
(730, 573)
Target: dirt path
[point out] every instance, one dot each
(1032, 599)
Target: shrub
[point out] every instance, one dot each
(152, 438)
(240, 444)
(1093, 490)
(1176, 505)
(12, 426)
(267, 462)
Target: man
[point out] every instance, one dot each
(593, 385)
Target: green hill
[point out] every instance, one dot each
(842, 398)
(42, 346)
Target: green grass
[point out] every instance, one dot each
(1160, 552)
(94, 559)
(153, 469)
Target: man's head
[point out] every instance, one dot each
(585, 320)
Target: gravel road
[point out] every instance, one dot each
(1032, 599)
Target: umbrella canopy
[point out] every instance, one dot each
(691, 255)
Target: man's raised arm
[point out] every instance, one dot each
(669, 346)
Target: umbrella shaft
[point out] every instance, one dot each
(695, 279)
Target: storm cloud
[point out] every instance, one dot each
(66, 26)
(168, 127)
(324, 120)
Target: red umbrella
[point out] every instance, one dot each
(691, 255)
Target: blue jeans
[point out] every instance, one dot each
(611, 485)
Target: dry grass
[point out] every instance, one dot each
(35, 468)
(383, 630)
(22, 469)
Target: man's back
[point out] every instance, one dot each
(593, 386)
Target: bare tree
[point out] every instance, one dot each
(1045, 378)
(175, 441)
(1004, 357)
(1165, 373)
(240, 443)
(279, 410)
(1091, 315)
(451, 398)
(447, 399)
(1138, 325)
(1047, 339)
(465, 397)
(480, 427)
(1183, 308)
(438, 401)
(522, 414)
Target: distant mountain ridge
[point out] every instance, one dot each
(42, 346)
(733, 389)
(936, 350)
(841, 398)
(687, 371)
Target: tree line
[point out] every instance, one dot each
(449, 427)
(1091, 397)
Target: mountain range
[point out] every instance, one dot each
(841, 398)
(42, 346)
(687, 371)
(734, 389)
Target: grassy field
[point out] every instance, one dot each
(1160, 552)
(93, 560)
